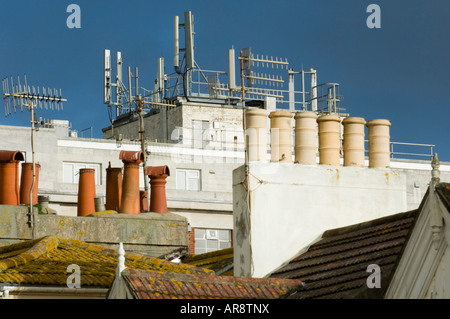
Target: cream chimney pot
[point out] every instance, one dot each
(305, 137)
(281, 136)
(329, 139)
(256, 134)
(379, 143)
(353, 144)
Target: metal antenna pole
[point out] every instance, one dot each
(244, 124)
(31, 216)
(140, 110)
(30, 100)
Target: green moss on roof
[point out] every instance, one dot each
(44, 262)
(215, 260)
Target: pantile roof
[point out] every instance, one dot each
(145, 284)
(336, 266)
(221, 261)
(44, 262)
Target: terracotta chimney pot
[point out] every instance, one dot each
(26, 181)
(9, 177)
(143, 201)
(86, 192)
(113, 188)
(130, 202)
(158, 175)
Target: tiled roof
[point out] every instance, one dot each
(44, 262)
(164, 285)
(336, 265)
(221, 261)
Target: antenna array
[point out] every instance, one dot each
(25, 95)
(249, 61)
(160, 105)
(125, 94)
(195, 84)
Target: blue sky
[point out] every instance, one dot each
(399, 72)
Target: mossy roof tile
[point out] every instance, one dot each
(44, 261)
(336, 265)
(220, 261)
(198, 286)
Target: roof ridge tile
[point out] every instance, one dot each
(37, 249)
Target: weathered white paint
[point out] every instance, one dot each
(290, 205)
(440, 285)
(423, 271)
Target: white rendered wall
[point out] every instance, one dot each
(291, 205)
(440, 285)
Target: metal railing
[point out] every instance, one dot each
(415, 153)
(415, 145)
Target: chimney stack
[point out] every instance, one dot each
(26, 181)
(256, 134)
(143, 195)
(9, 177)
(130, 201)
(306, 137)
(354, 150)
(281, 136)
(86, 192)
(379, 143)
(158, 175)
(329, 139)
(113, 188)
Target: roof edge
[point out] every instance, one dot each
(373, 222)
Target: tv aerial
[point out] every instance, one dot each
(248, 62)
(23, 96)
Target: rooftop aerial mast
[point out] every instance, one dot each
(29, 98)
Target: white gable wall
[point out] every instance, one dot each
(423, 271)
(291, 205)
(440, 284)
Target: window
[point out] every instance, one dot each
(207, 240)
(188, 179)
(71, 172)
